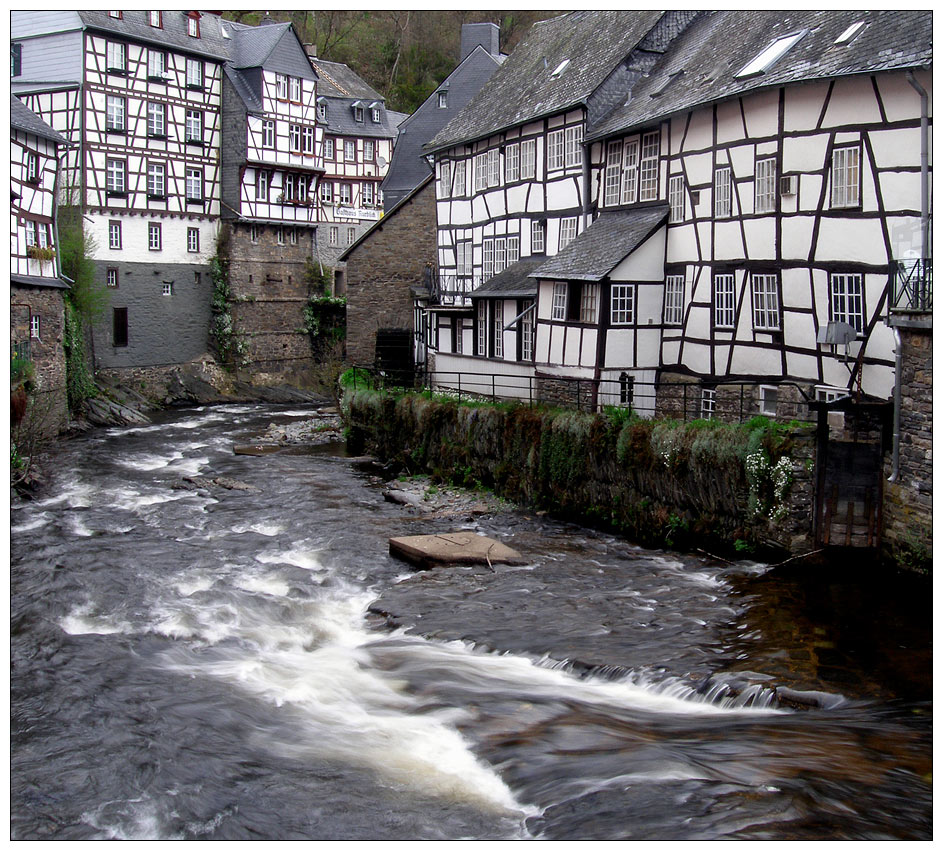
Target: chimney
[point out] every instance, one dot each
(486, 34)
(266, 20)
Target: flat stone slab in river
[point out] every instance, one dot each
(453, 548)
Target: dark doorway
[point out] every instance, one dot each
(394, 357)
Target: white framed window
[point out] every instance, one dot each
(708, 403)
(722, 194)
(589, 302)
(114, 235)
(494, 167)
(725, 310)
(156, 119)
(32, 167)
(347, 194)
(167, 288)
(622, 305)
(351, 236)
(194, 73)
(369, 150)
(630, 172)
(334, 235)
(328, 149)
(193, 240)
(846, 176)
(648, 169)
(253, 233)
(281, 87)
(367, 194)
(481, 171)
(193, 26)
(464, 258)
(442, 99)
(31, 234)
(194, 184)
(487, 258)
(375, 115)
(350, 150)
(327, 192)
(676, 198)
(115, 173)
(458, 183)
(568, 228)
(34, 326)
(294, 86)
(500, 255)
(116, 56)
(558, 304)
(445, 178)
(156, 63)
(358, 114)
(294, 138)
(538, 231)
(154, 19)
(574, 146)
(301, 184)
(279, 236)
(674, 299)
(528, 159)
(613, 173)
(268, 133)
(768, 57)
(482, 334)
(111, 277)
(512, 163)
(261, 185)
(322, 110)
(514, 249)
(527, 333)
(115, 113)
(765, 185)
(765, 302)
(769, 399)
(307, 141)
(194, 125)
(156, 174)
(154, 242)
(499, 329)
(847, 300)
(556, 146)
(293, 236)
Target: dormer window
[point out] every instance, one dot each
(849, 34)
(193, 24)
(375, 113)
(443, 100)
(768, 57)
(116, 15)
(358, 112)
(155, 19)
(322, 109)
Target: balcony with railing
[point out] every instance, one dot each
(454, 289)
(912, 286)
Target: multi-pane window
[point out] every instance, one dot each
(765, 182)
(846, 175)
(153, 236)
(294, 85)
(459, 181)
(622, 309)
(558, 304)
(351, 236)
(630, 172)
(708, 402)
(114, 235)
(115, 113)
(322, 110)
(328, 149)
(445, 177)
(574, 145)
(193, 240)
(307, 141)
(156, 177)
(367, 194)
(463, 258)
(294, 138)
(613, 173)
(194, 73)
(279, 236)
(500, 255)
(281, 87)
(724, 306)
(111, 277)
(375, 115)
(494, 167)
(512, 163)
(514, 249)
(676, 198)
(555, 149)
(327, 192)
(194, 184)
(527, 334)
(567, 231)
(253, 234)
(537, 236)
(487, 258)
(115, 174)
(528, 159)
(268, 133)
(116, 56)
(499, 329)
(261, 185)
(765, 303)
(674, 299)
(154, 19)
(589, 302)
(156, 119)
(358, 114)
(194, 125)
(193, 26)
(722, 194)
(350, 150)
(442, 99)
(156, 63)
(482, 327)
(847, 301)
(369, 150)
(347, 193)
(34, 326)
(167, 288)
(293, 236)
(333, 236)
(648, 170)
(481, 171)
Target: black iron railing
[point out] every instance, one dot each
(912, 286)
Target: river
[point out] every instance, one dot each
(245, 660)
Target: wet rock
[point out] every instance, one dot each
(204, 483)
(427, 551)
(255, 449)
(401, 497)
(106, 412)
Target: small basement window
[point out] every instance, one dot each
(768, 57)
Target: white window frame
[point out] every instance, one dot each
(649, 166)
(765, 185)
(157, 179)
(558, 301)
(116, 56)
(445, 179)
(334, 235)
(194, 125)
(538, 236)
(327, 192)
(556, 150)
(487, 259)
(514, 250)
(111, 277)
(458, 181)
(156, 63)
(527, 334)
(725, 306)
(346, 194)
(622, 304)
(676, 198)
(268, 133)
(674, 299)
(194, 72)
(494, 167)
(723, 194)
(350, 150)
(498, 318)
(114, 236)
(116, 113)
(35, 326)
(307, 141)
(294, 138)
(442, 99)
(512, 163)
(281, 87)
(369, 150)
(194, 184)
(613, 184)
(630, 152)
(589, 303)
(329, 150)
(193, 27)
(528, 159)
(846, 176)
(366, 194)
(765, 302)
(846, 299)
(482, 335)
(261, 185)
(351, 235)
(500, 255)
(154, 236)
(193, 240)
(156, 118)
(768, 400)
(167, 288)
(294, 89)
(481, 171)
(569, 230)
(116, 175)
(708, 403)
(573, 146)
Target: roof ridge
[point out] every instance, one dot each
(337, 85)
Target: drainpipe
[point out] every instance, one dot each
(898, 366)
(587, 150)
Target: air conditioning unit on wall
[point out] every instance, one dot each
(787, 184)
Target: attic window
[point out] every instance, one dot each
(357, 107)
(850, 33)
(154, 19)
(115, 15)
(443, 100)
(769, 56)
(322, 109)
(193, 24)
(560, 68)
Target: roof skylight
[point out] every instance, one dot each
(850, 33)
(560, 68)
(765, 60)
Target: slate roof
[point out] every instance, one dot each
(173, 33)
(338, 80)
(244, 89)
(38, 281)
(341, 87)
(713, 49)
(23, 118)
(524, 88)
(603, 245)
(514, 282)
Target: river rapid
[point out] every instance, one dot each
(241, 658)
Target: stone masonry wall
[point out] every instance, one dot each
(381, 270)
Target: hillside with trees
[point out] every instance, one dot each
(402, 54)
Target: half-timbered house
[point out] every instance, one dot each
(358, 145)
(138, 93)
(36, 286)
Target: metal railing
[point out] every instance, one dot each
(454, 289)
(912, 286)
(20, 350)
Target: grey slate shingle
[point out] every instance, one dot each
(514, 282)
(173, 33)
(603, 245)
(23, 118)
